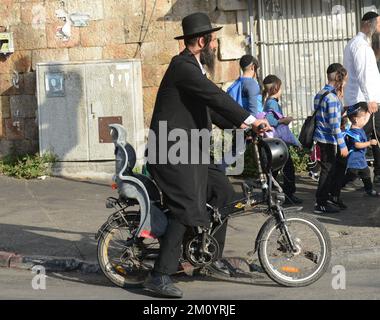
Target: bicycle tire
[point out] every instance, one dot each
(284, 278)
(115, 271)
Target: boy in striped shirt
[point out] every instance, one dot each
(329, 137)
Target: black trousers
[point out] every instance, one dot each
(289, 177)
(333, 166)
(364, 174)
(338, 179)
(370, 131)
(343, 177)
(219, 193)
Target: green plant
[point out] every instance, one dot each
(250, 166)
(300, 159)
(27, 166)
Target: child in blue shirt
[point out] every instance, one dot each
(246, 89)
(251, 90)
(247, 92)
(357, 143)
(272, 94)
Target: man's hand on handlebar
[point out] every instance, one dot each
(261, 126)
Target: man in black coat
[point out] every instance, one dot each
(188, 102)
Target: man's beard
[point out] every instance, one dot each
(208, 58)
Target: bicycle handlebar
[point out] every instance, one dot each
(251, 133)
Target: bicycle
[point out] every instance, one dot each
(294, 249)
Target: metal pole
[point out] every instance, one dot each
(251, 24)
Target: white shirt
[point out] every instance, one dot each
(251, 119)
(363, 74)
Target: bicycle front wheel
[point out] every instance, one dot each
(311, 258)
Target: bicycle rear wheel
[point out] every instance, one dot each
(124, 260)
(295, 269)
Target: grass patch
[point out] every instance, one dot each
(27, 166)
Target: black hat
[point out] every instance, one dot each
(369, 16)
(196, 24)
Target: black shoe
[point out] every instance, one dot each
(335, 201)
(219, 267)
(163, 286)
(293, 200)
(325, 209)
(314, 176)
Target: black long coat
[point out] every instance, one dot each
(188, 100)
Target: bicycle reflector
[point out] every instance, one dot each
(274, 154)
(290, 269)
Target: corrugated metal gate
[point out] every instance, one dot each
(298, 40)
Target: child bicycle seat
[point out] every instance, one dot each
(153, 221)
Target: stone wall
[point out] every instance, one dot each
(117, 29)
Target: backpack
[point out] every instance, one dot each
(354, 136)
(282, 131)
(235, 91)
(306, 136)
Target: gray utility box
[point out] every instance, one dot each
(77, 101)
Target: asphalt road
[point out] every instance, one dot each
(357, 284)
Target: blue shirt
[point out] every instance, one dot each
(251, 96)
(328, 118)
(356, 158)
(271, 104)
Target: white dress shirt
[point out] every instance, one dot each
(251, 119)
(363, 74)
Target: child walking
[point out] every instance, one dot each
(357, 144)
(329, 138)
(275, 116)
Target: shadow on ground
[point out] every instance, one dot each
(42, 241)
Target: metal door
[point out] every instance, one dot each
(110, 96)
(62, 111)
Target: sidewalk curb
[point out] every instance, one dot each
(51, 264)
(349, 258)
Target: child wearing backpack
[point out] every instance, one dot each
(330, 140)
(357, 142)
(275, 116)
(246, 89)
